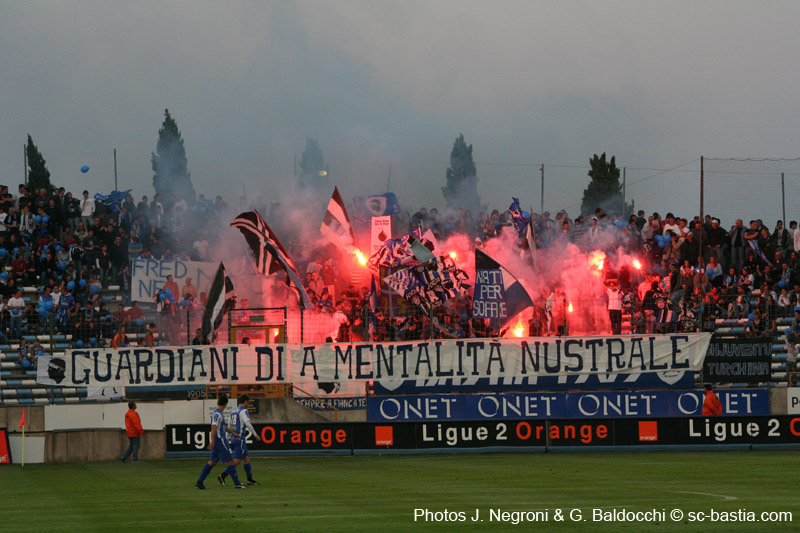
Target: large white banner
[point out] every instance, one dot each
(149, 276)
(400, 361)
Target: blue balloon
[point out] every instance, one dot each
(39, 353)
(751, 316)
(3, 275)
(79, 344)
(62, 266)
(85, 169)
(620, 223)
(70, 285)
(172, 298)
(93, 340)
(82, 283)
(43, 257)
(781, 284)
(45, 219)
(71, 246)
(15, 311)
(58, 247)
(48, 305)
(38, 219)
(26, 363)
(46, 246)
(43, 311)
(15, 251)
(3, 252)
(95, 289)
(162, 296)
(139, 322)
(168, 291)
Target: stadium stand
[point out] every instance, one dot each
(67, 257)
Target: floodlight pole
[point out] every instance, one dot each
(116, 187)
(541, 201)
(624, 171)
(783, 199)
(702, 177)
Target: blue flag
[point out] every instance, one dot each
(112, 199)
(519, 217)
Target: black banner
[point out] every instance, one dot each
(709, 430)
(274, 437)
(351, 437)
(735, 360)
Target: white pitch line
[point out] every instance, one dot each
(729, 498)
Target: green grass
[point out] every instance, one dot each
(380, 493)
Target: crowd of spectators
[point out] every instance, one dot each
(71, 248)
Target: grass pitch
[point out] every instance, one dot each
(381, 493)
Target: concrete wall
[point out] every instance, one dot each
(94, 432)
(99, 445)
(777, 401)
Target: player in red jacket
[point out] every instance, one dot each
(133, 428)
(711, 405)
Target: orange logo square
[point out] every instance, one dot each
(648, 431)
(384, 436)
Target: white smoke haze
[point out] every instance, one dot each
(566, 269)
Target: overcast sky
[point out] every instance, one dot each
(380, 84)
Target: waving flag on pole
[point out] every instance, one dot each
(517, 298)
(519, 217)
(221, 299)
(336, 225)
(113, 199)
(268, 253)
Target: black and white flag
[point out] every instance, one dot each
(268, 253)
(221, 299)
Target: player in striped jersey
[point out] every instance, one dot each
(240, 422)
(219, 447)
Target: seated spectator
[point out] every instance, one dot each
(188, 289)
(26, 359)
(120, 339)
(133, 314)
